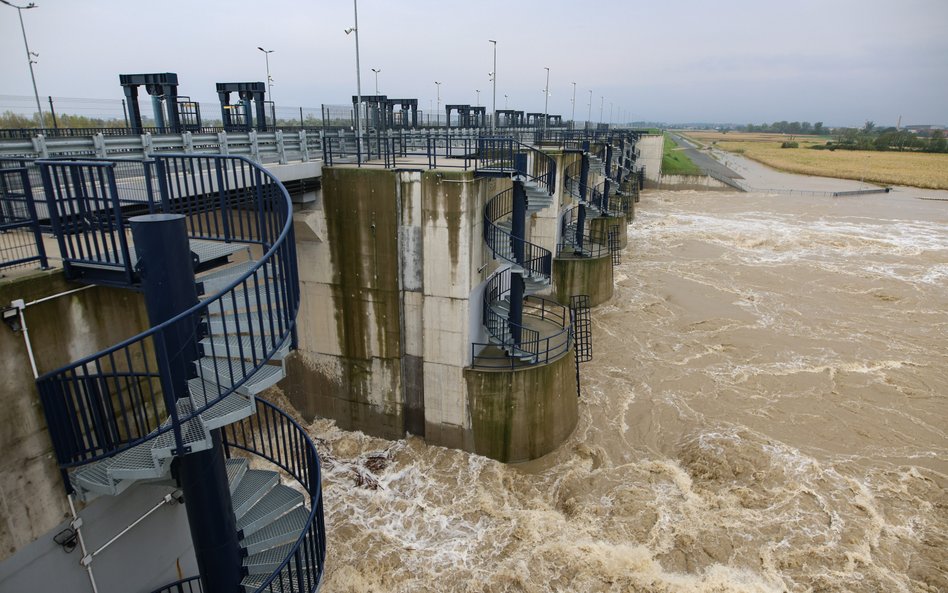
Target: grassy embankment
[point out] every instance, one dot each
(917, 169)
(675, 162)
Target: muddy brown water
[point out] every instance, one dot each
(765, 412)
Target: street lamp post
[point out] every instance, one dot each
(546, 99)
(438, 113)
(589, 116)
(358, 114)
(29, 57)
(266, 55)
(376, 70)
(493, 76)
(505, 101)
(572, 118)
(477, 97)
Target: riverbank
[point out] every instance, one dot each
(924, 170)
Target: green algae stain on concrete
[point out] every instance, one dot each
(444, 197)
(583, 275)
(523, 414)
(361, 224)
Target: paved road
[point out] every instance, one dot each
(702, 160)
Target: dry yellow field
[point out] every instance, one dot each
(711, 136)
(927, 170)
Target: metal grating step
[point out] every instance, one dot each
(251, 488)
(256, 323)
(205, 251)
(212, 250)
(245, 347)
(221, 277)
(193, 434)
(225, 371)
(233, 408)
(274, 504)
(265, 562)
(284, 530)
(284, 583)
(247, 299)
(94, 477)
(236, 469)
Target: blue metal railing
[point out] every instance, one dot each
(534, 347)
(403, 148)
(520, 344)
(188, 585)
(611, 205)
(111, 401)
(536, 260)
(21, 239)
(274, 436)
(588, 243)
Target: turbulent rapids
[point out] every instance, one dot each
(765, 412)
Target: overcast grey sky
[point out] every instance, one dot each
(837, 61)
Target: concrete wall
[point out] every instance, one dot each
(523, 414)
(602, 225)
(650, 156)
(392, 267)
(33, 505)
(702, 182)
(348, 365)
(388, 264)
(583, 275)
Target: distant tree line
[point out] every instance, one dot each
(10, 120)
(869, 137)
(787, 127)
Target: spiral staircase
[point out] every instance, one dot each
(526, 328)
(118, 416)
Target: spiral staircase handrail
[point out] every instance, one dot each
(64, 416)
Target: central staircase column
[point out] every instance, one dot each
(161, 241)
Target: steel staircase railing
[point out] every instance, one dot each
(111, 401)
(110, 419)
(587, 244)
(520, 343)
(275, 437)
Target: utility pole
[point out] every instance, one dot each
(266, 54)
(546, 99)
(376, 70)
(493, 76)
(358, 114)
(29, 58)
(589, 116)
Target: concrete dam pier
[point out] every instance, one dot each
(404, 271)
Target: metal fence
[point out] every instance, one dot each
(21, 239)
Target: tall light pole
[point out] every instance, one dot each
(358, 114)
(493, 76)
(477, 99)
(29, 57)
(610, 112)
(376, 70)
(505, 101)
(572, 118)
(602, 103)
(266, 55)
(546, 98)
(438, 120)
(589, 116)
